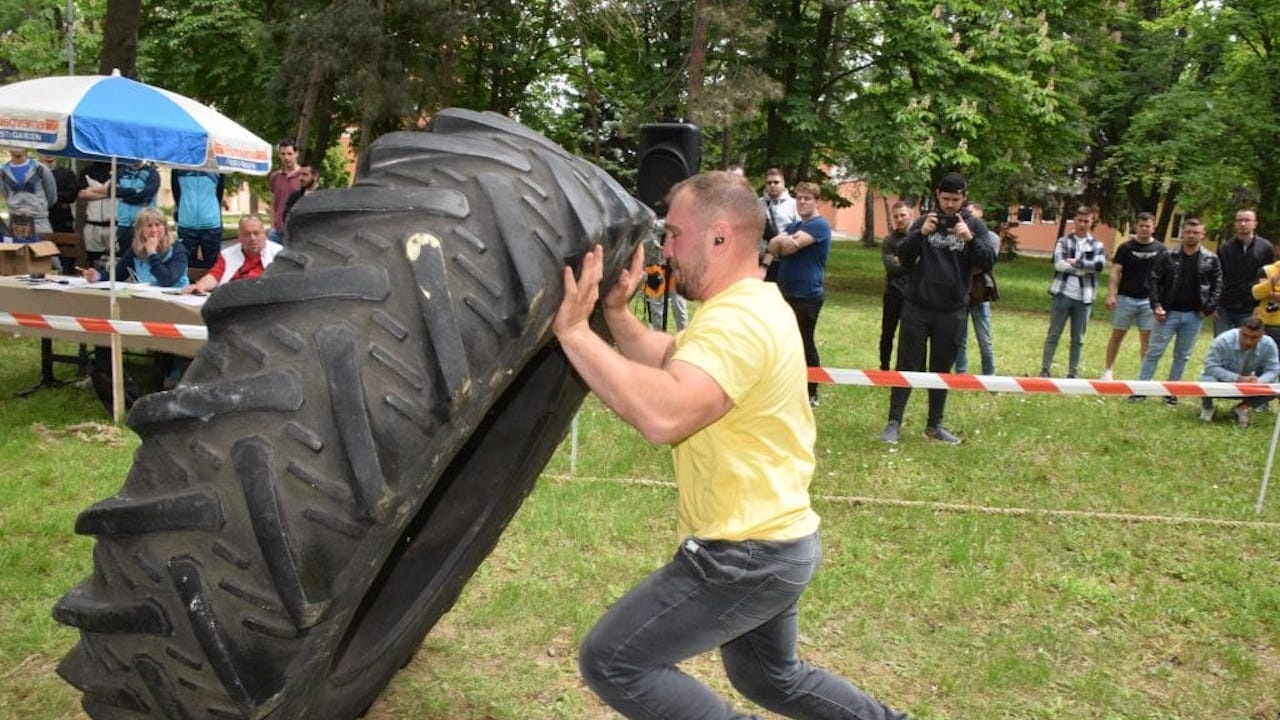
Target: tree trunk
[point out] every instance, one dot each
(697, 62)
(315, 81)
(868, 215)
(120, 38)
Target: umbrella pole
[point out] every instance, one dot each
(117, 347)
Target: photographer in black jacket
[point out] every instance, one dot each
(941, 251)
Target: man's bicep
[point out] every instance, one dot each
(701, 399)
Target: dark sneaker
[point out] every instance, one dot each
(890, 434)
(1206, 414)
(1241, 415)
(942, 435)
(1171, 401)
(813, 401)
(1137, 398)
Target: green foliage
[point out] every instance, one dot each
(33, 40)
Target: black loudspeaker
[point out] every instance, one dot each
(669, 153)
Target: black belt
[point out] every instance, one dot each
(96, 223)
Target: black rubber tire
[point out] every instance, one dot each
(362, 424)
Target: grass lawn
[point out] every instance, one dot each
(1076, 557)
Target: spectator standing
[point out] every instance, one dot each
(982, 290)
(1129, 289)
(61, 217)
(1078, 257)
(284, 182)
(247, 258)
(1267, 292)
(1242, 257)
(1240, 355)
(742, 442)
(135, 191)
(779, 213)
(1186, 285)
(895, 278)
(940, 252)
(659, 291)
(801, 251)
(94, 188)
(197, 199)
(308, 182)
(29, 189)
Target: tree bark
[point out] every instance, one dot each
(120, 38)
(697, 62)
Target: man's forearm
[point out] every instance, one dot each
(636, 341)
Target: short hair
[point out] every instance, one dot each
(1253, 322)
(288, 142)
(251, 216)
(901, 204)
(1085, 210)
(724, 194)
(1146, 216)
(774, 171)
(952, 182)
(975, 205)
(808, 188)
(1192, 222)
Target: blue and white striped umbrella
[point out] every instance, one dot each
(103, 117)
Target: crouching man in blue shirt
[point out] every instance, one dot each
(1239, 355)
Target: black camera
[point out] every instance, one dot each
(1272, 306)
(945, 222)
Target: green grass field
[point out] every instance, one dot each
(1076, 557)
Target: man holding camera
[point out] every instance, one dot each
(940, 252)
(1185, 287)
(1077, 259)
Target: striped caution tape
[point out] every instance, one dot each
(1005, 384)
(104, 326)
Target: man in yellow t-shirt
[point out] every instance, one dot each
(735, 410)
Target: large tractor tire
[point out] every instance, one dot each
(362, 424)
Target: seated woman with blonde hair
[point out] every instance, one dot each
(153, 259)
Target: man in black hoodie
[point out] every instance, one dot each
(941, 251)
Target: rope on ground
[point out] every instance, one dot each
(967, 508)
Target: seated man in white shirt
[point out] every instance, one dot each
(245, 260)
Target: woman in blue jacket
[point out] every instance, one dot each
(153, 258)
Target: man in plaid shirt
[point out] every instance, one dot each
(1077, 259)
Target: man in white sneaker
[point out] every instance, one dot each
(1129, 289)
(1241, 355)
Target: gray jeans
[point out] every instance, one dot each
(739, 597)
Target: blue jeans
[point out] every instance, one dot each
(1062, 308)
(1228, 319)
(739, 597)
(980, 314)
(1183, 324)
(275, 236)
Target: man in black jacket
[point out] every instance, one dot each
(1185, 288)
(940, 251)
(1241, 257)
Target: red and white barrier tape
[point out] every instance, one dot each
(104, 326)
(831, 376)
(998, 383)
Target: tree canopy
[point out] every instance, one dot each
(1161, 106)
